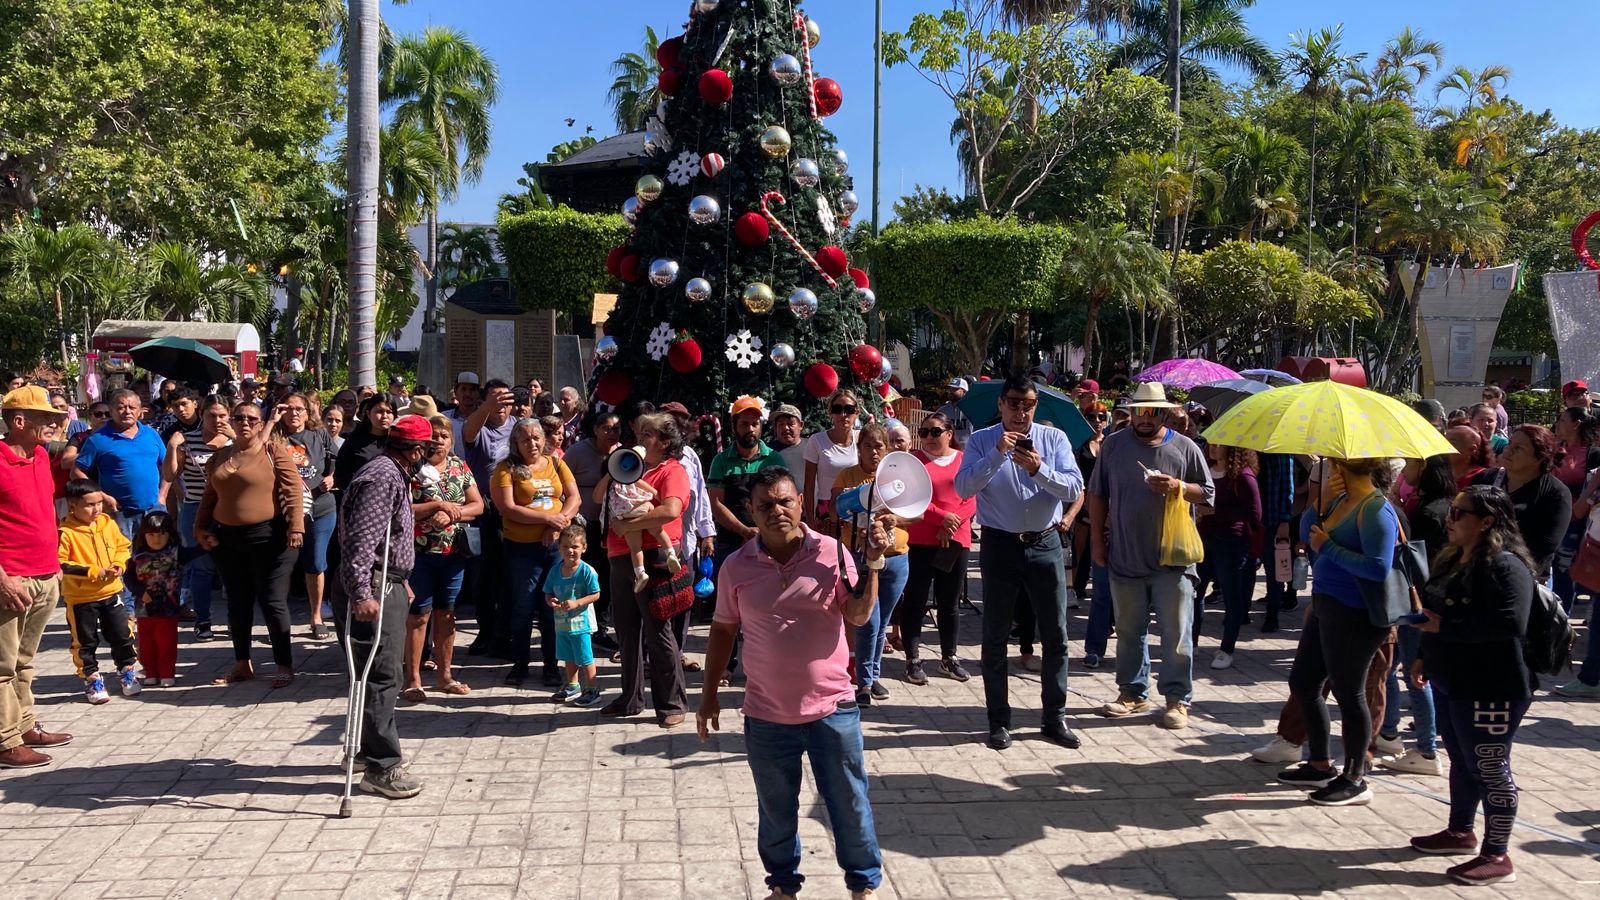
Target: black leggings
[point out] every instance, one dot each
(1337, 645)
(255, 563)
(1477, 734)
(946, 594)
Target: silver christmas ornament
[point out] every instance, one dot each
(885, 370)
(841, 162)
(663, 272)
(606, 347)
(849, 203)
(697, 289)
(803, 303)
(804, 173)
(786, 69)
(630, 210)
(782, 355)
(703, 210)
(866, 300)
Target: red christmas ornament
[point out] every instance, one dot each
(614, 261)
(628, 269)
(833, 261)
(866, 362)
(712, 164)
(716, 88)
(684, 355)
(669, 51)
(670, 82)
(861, 279)
(829, 96)
(821, 380)
(883, 390)
(613, 388)
(752, 230)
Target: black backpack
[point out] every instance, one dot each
(1547, 646)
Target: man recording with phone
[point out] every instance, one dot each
(1022, 473)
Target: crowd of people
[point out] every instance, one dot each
(502, 497)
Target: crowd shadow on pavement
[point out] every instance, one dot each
(184, 783)
(1221, 867)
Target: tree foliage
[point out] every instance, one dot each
(556, 258)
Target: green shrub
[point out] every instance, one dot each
(969, 265)
(556, 258)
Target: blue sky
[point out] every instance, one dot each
(554, 58)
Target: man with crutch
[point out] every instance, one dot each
(371, 598)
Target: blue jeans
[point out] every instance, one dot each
(1094, 640)
(1171, 594)
(314, 551)
(436, 582)
(1408, 641)
(526, 565)
(834, 745)
(1561, 580)
(199, 575)
(870, 637)
(1234, 570)
(1589, 672)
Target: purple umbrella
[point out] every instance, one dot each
(1186, 373)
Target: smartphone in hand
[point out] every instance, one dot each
(1025, 444)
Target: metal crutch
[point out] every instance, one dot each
(356, 702)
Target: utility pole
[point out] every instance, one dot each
(875, 318)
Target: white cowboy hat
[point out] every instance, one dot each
(1150, 395)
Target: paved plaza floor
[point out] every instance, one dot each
(209, 792)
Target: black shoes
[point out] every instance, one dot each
(879, 692)
(1059, 733)
(999, 738)
(517, 675)
(1342, 791)
(1307, 777)
(863, 697)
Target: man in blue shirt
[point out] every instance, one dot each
(125, 457)
(1022, 472)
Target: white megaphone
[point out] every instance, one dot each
(901, 486)
(626, 465)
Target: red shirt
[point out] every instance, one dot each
(945, 500)
(670, 479)
(28, 515)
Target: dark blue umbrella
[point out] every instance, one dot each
(1220, 396)
(982, 406)
(182, 359)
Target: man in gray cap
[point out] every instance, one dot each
(788, 428)
(959, 423)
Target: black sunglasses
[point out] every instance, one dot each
(242, 419)
(931, 431)
(1096, 417)
(1457, 512)
(844, 409)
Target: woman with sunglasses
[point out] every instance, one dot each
(1477, 604)
(940, 543)
(827, 454)
(299, 434)
(252, 520)
(187, 456)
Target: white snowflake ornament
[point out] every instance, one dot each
(825, 215)
(743, 348)
(656, 136)
(660, 340)
(683, 169)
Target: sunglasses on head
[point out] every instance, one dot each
(844, 409)
(931, 431)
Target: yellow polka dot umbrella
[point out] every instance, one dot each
(1327, 419)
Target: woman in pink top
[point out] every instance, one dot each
(939, 542)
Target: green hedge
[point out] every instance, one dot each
(556, 258)
(972, 264)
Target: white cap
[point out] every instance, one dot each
(958, 384)
(467, 378)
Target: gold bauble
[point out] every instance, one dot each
(647, 188)
(759, 298)
(775, 141)
(813, 32)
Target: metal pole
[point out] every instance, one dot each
(875, 318)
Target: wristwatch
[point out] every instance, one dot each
(877, 564)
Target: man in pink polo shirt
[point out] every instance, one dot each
(789, 589)
(30, 576)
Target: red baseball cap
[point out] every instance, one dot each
(1089, 384)
(676, 408)
(1574, 387)
(411, 428)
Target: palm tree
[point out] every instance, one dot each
(1374, 86)
(1482, 133)
(444, 84)
(1316, 58)
(182, 286)
(55, 263)
(361, 187)
(411, 167)
(1260, 166)
(1409, 53)
(1368, 144)
(465, 254)
(1212, 32)
(634, 95)
(1112, 261)
(1476, 88)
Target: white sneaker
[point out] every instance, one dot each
(1222, 660)
(1277, 752)
(1072, 599)
(1389, 746)
(1576, 688)
(1414, 763)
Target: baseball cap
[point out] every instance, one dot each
(1574, 387)
(30, 398)
(747, 403)
(1089, 384)
(411, 428)
(787, 409)
(467, 378)
(676, 408)
(958, 384)
(422, 405)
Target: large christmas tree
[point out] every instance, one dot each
(734, 282)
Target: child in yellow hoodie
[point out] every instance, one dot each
(94, 555)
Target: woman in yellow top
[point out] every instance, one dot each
(536, 497)
(872, 445)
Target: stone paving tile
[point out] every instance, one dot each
(201, 791)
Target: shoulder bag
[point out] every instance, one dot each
(1389, 601)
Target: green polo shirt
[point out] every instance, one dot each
(733, 473)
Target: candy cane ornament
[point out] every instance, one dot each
(805, 254)
(811, 77)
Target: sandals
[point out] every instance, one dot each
(455, 689)
(282, 679)
(690, 665)
(235, 677)
(414, 695)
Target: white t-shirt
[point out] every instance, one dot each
(831, 459)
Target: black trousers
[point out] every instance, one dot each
(1337, 645)
(380, 739)
(256, 565)
(1018, 575)
(638, 632)
(946, 588)
(89, 622)
(489, 584)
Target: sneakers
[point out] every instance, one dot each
(566, 693)
(879, 692)
(1091, 660)
(1277, 750)
(1342, 791)
(1031, 663)
(1125, 705)
(1484, 870)
(863, 894)
(1223, 660)
(550, 676)
(517, 675)
(1072, 599)
(1446, 843)
(1177, 715)
(1579, 689)
(590, 697)
(950, 667)
(780, 894)
(1415, 763)
(130, 682)
(863, 697)
(1308, 777)
(914, 673)
(1389, 746)
(22, 757)
(168, 682)
(395, 783)
(94, 689)
(203, 632)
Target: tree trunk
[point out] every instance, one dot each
(1175, 53)
(1090, 319)
(362, 189)
(1020, 340)
(291, 317)
(61, 329)
(429, 325)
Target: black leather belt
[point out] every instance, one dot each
(1023, 537)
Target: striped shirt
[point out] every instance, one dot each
(196, 453)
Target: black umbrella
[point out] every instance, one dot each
(1220, 396)
(182, 359)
